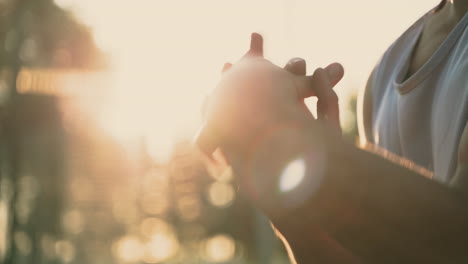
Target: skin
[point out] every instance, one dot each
(366, 209)
(319, 84)
(436, 30)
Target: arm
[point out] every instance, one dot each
(372, 210)
(353, 206)
(388, 213)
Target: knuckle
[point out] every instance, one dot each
(318, 72)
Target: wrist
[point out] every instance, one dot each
(286, 167)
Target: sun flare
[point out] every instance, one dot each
(167, 55)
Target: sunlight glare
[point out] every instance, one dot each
(168, 54)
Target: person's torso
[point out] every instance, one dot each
(421, 118)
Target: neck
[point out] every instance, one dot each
(455, 9)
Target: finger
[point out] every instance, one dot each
(312, 85)
(333, 112)
(256, 46)
(307, 86)
(321, 84)
(296, 66)
(335, 73)
(328, 110)
(226, 67)
(327, 104)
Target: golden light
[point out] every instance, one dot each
(128, 249)
(165, 58)
(166, 55)
(162, 246)
(220, 248)
(162, 243)
(221, 194)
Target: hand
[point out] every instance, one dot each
(287, 100)
(327, 105)
(250, 107)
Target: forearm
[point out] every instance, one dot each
(367, 205)
(398, 214)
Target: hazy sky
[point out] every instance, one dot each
(168, 54)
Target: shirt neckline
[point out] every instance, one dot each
(405, 85)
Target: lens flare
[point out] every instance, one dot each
(292, 175)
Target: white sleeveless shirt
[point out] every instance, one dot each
(421, 118)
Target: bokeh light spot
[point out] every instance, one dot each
(128, 249)
(162, 246)
(220, 248)
(221, 194)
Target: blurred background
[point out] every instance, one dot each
(99, 101)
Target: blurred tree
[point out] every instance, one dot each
(35, 33)
(44, 35)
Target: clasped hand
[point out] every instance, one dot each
(256, 97)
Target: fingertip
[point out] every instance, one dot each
(321, 76)
(320, 82)
(296, 66)
(256, 44)
(256, 38)
(335, 72)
